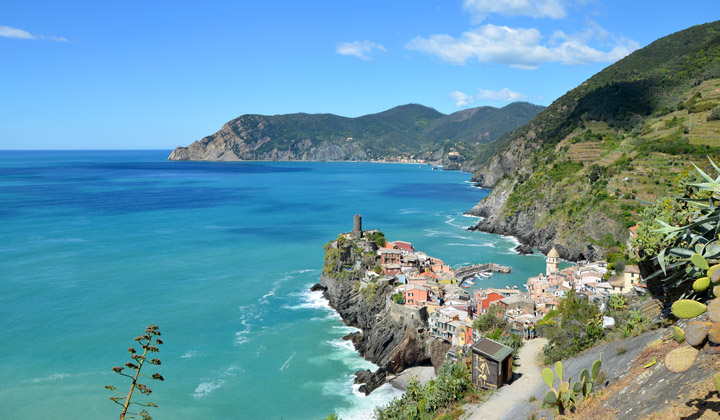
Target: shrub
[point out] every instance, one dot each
(714, 115)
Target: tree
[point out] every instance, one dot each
(124, 400)
(491, 320)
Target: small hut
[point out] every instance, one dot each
(491, 364)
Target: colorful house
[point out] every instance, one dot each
(416, 295)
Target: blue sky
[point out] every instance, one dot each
(155, 75)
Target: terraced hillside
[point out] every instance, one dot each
(580, 172)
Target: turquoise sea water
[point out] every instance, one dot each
(94, 246)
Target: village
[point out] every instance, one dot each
(429, 290)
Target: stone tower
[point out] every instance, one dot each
(552, 264)
(357, 226)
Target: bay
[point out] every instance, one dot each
(95, 245)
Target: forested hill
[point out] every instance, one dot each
(579, 173)
(407, 131)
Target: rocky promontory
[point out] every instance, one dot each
(386, 338)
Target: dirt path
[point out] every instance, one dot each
(518, 391)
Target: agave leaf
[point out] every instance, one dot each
(702, 174)
(661, 260)
(680, 252)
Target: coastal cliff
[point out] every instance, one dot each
(409, 131)
(387, 337)
(581, 172)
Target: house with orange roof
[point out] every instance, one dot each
(483, 302)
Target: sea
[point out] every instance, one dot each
(96, 245)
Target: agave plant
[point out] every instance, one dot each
(688, 264)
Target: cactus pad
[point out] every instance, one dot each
(701, 284)
(717, 382)
(551, 397)
(714, 310)
(686, 308)
(563, 387)
(577, 387)
(678, 334)
(596, 368)
(680, 360)
(714, 333)
(696, 332)
(699, 262)
(714, 276)
(584, 376)
(559, 370)
(712, 348)
(711, 271)
(548, 376)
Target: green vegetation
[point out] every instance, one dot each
(147, 345)
(410, 131)
(575, 325)
(567, 394)
(379, 239)
(426, 402)
(494, 326)
(611, 146)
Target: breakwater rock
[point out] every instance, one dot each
(388, 337)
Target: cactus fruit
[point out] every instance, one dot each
(714, 310)
(678, 334)
(701, 284)
(714, 333)
(686, 308)
(696, 332)
(549, 377)
(699, 261)
(680, 360)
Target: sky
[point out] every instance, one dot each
(157, 75)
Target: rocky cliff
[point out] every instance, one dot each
(579, 173)
(392, 342)
(407, 130)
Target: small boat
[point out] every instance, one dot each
(466, 286)
(486, 274)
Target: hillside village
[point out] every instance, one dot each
(429, 290)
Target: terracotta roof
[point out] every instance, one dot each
(632, 269)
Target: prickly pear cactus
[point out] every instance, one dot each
(687, 309)
(714, 310)
(680, 360)
(678, 334)
(701, 284)
(696, 332)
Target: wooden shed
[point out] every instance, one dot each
(491, 364)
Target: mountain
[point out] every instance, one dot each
(579, 173)
(407, 130)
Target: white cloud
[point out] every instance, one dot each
(505, 95)
(480, 9)
(10, 32)
(359, 49)
(522, 47)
